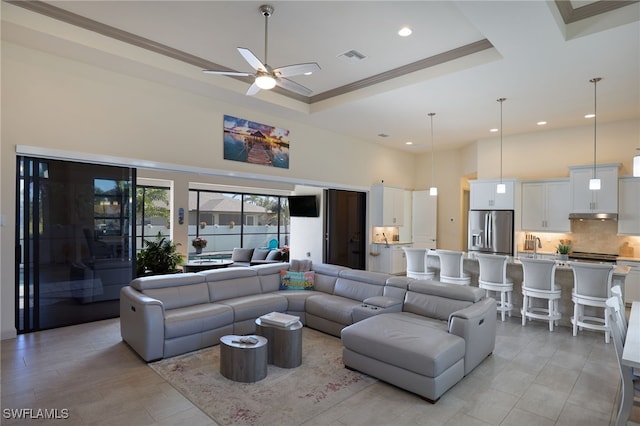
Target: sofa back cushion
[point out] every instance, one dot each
(360, 285)
(269, 275)
(274, 255)
(231, 282)
(396, 287)
(326, 276)
(438, 300)
(260, 254)
(242, 254)
(174, 290)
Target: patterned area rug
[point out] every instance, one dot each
(284, 397)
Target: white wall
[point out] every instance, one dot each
(56, 105)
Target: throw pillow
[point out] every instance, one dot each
(296, 280)
(274, 255)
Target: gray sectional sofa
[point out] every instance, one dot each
(423, 336)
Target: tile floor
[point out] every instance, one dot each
(534, 377)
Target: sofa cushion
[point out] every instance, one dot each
(259, 254)
(334, 308)
(196, 319)
(439, 300)
(232, 282)
(405, 342)
(359, 285)
(326, 276)
(290, 280)
(274, 255)
(252, 307)
(300, 265)
(242, 254)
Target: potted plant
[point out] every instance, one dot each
(159, 256)
(563, 250)
(199, 243)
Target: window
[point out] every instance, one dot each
(152, 213)
(230, 220)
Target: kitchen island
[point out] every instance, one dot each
(564, 278)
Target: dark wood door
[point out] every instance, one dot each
(345, 227)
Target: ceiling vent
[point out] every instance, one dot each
(352, 56)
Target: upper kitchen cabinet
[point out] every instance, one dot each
(629, 206)
(484, 196)
(585, 200)
(387, 205)
(546, 205)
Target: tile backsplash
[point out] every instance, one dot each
(593, 236)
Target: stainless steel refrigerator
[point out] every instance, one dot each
(491, 231)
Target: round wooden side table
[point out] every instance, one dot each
(243, 362)
(285, 343)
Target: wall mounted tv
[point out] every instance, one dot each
(303, 206)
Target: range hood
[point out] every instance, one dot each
(593, 216)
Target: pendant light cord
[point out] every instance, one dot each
(431, 114)
(501, 100)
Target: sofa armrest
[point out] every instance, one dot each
(384, 302)
(476, 324)
(142, 323)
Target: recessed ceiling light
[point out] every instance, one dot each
(589, 116)
(408, 143)
(405, 32)
(493, 130)
(541, 123)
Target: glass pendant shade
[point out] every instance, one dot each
(433, 191)
(501, 188)
(594, 184)
(636, 165)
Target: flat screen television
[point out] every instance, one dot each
(303, 206)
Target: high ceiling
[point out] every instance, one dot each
(461, 57)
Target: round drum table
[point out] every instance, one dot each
(285, 343)
(243, 362)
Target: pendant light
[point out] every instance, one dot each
(433, 191)
(594, 183)
(501, 188)
(636, 164)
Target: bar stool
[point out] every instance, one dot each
(451, 267)
(493, 278)
(417, 264)
(539, 282)
(591, 287)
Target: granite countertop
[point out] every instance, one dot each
(392, 243)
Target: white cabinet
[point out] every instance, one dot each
(387, 206)
(424, 220)
(631, 281)
(585, 200)
(546, 205)
(629, 206)
(390, 260)
(485, 197)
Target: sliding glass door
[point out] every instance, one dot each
(73, 241)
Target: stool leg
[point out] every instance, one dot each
(551, 321)
(576, 311)
(509, 302)
(502, 304)
(524, 309)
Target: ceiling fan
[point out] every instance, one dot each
(267, 78)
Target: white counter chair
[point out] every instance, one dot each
(417, 263)
(591, 287)
(451, 267)
(493, 278)
(616, 291)
(539, 282)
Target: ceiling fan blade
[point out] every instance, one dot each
(253, 89)
(298, 69)
(252, 59)
(235, 73)
(293, 86)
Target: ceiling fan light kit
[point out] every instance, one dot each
(265, 77)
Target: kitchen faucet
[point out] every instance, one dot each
(386, 242)
(536, 246)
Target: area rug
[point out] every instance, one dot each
(284, 397)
